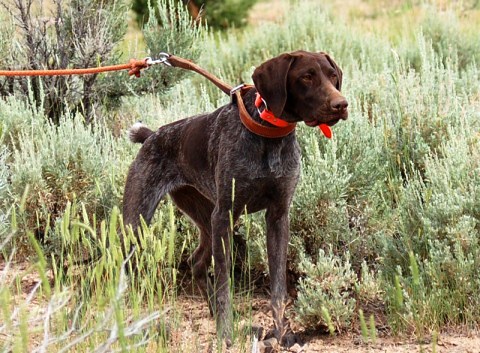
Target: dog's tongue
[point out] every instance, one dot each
(326, 130)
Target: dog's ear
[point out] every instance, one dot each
(270, 80)
(337, 69)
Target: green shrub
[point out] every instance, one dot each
(86, 34)
(17, 117)
(299, 30)
(327, 286)
(226, 13)
(343, 193)
(219, 14)
(448, 41)
(370, 288)
(73, 163)
(439, 223)
(70, 162)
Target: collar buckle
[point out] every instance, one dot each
(267, 114)
(234, 90)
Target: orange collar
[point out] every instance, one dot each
(281, 128)
(267, 115)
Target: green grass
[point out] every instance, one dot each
(89, 298)
(397, 188)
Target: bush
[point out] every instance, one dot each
(79, 34)
(17, 117)
(219, 14)
(439, 225)
(70, 163)
(326, 287)
(300, 30)
(226, 13)
(54, 169)
(448, 41)
(84, 34)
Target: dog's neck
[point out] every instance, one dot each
(252, 120)
(266, 114)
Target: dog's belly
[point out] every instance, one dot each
(250, 195)
(257, 204)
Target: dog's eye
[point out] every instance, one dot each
(334, 78)
(307, 77)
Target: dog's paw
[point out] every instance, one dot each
(267, 346)
(139, 132)
(288, 339)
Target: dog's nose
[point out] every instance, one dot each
(339, 103)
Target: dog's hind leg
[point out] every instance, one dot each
(199, 209)
(146, 184)
(224, 216)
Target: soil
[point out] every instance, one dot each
(198, 329)
(195, 329)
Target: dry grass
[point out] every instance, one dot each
(195, 328)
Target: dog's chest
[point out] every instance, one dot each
(272, 164)
(273, 160)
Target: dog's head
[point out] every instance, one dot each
(302, 86)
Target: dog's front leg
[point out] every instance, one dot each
(222, 262)
(278, 234)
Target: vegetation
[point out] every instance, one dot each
(386, 213)
(85, 34)
(219, 14)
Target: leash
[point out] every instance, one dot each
(135, 67)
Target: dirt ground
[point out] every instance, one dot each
(196, 329)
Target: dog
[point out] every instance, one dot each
(202, 161)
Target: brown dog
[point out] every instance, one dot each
(196, 159)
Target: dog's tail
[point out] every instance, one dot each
(139, 132)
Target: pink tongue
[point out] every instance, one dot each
(326, 130)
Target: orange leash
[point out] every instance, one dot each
(134, 67)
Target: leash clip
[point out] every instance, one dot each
(163, 59)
